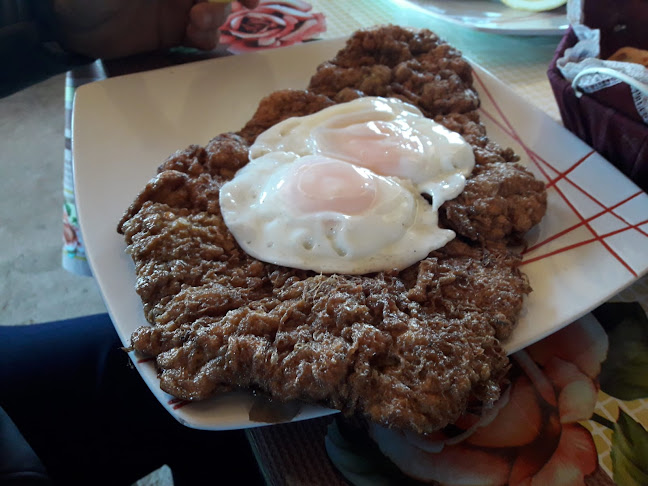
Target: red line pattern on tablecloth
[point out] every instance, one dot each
(542, 165)
(592, 218)
(177, 403)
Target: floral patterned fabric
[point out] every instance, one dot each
(272, 24)
(73, 253)
(533, 435)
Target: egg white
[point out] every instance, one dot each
(398, 230)
(386, 143)
(436, 159)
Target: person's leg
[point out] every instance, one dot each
(51, 378)
(19, 465)
(89, 416)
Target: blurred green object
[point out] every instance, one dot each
(624, 373)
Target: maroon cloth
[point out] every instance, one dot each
(616, 136)
(621, 22)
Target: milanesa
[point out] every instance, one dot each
(408, 349)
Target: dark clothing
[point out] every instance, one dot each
(28, 49)
(90, 418)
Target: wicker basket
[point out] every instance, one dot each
(618, 137)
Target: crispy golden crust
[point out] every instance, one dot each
(500, 201)
(405, 349)
(281, 105)
(416, 67)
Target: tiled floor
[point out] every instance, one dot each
(33, 285)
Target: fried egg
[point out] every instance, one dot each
(385, 135)
(340, 191)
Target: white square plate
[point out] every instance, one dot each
(591, 244)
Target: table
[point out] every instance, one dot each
(577, 427)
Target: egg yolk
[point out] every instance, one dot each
(322, 184)
(379, 145)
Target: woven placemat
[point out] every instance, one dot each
(294, 454)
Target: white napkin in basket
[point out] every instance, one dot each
(581, 64)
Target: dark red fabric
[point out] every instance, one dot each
(622, 23)
(617, 137)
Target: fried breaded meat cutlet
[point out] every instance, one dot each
(404, 349)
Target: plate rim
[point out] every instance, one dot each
(493, 28)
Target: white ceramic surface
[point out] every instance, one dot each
(591, 244)
(494, 16)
